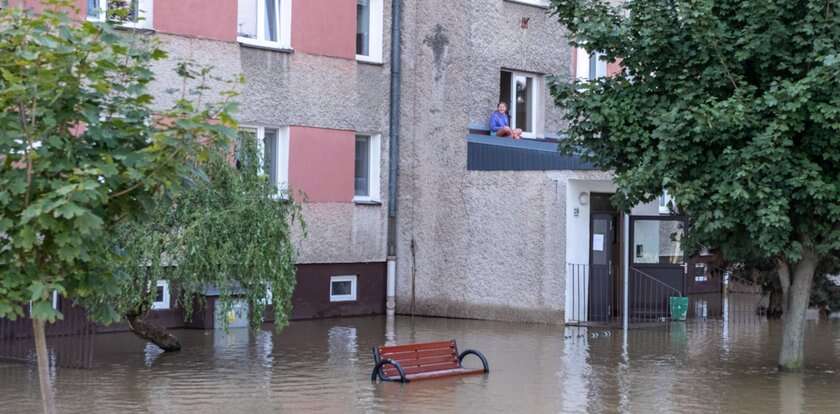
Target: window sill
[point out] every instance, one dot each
(539, 4)
(124, 26)
(366, 202)
(263, 45)
(369, 60)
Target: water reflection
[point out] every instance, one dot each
(324, 366)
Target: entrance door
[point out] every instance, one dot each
(657, 268)
(602, 266)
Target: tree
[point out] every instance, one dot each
(732, 107)
(82, 151)
(229, 230)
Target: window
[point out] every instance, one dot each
(366, 179)
(343, 288)
(523, 94)
(590, 66)
(658, 242)
(161, 295)
(273, 147)
(266, 23)
(139, 11)
(369, 30)
(665, 202)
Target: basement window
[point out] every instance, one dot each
(161, 295)
(343, 288)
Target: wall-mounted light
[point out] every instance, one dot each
(583, 198)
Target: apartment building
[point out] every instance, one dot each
(485, 227)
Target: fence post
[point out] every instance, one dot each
(626, 270)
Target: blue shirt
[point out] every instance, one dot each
(498, 121)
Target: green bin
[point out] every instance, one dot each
(679, 307)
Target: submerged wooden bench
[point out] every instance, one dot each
(429, 360)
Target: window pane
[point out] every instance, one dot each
(658, 242)
(245, 135)
(93, 8)
(270, 155)
(362, 166)
(342, 288)
(363, 27)
(159, 294)
(247, 19)
(524, 103)
(271, 20)
(504, 88)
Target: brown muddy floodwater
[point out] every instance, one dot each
(324, 367)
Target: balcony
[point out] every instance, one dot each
(491, 153)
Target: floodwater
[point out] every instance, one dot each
(324, 367)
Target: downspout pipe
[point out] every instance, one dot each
(393, 156)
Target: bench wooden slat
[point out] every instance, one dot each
(416, 347)
(399, 356)
(424, 368)
(426, 360)
(439, 374)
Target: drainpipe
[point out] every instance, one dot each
(393, 157)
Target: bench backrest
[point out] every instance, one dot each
(419, 358)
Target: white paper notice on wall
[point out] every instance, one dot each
(598, 242)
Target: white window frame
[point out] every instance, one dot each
(583, 64)
(537, 101)
(374, 171)
(377, 11)
(354, 281)
(145, 15)
(164, 304)
(664, 201)
(538, 3)
(282, 146)
(284, 32)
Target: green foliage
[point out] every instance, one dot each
(229, 230)
(730, 105)
(82, 150)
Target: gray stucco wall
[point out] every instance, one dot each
(487, 244)
(299, 89)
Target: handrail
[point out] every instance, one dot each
(655, 280)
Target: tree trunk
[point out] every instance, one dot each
(796, 305)
(40, 334)
(153, 333)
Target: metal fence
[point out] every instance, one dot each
(596, 297)
(69, 341)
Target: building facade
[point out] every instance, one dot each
(315, 96)
(486, 227)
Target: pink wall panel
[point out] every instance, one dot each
(324, 27)
(37, 6)
(209, 19)
(322, 163)
(614, 68)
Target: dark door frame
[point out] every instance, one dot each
(614, 259)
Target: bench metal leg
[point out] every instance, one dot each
(476, 353)
(377, 370)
